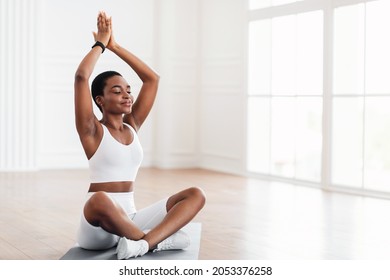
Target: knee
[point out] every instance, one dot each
(198, 194)
(98, 203)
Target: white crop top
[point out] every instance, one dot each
(114, 161)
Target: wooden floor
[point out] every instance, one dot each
(243, 218)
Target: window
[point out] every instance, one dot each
(258, 4)
(286, 92)
(361, 100)
(285, 96)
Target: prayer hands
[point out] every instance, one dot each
(104, 27)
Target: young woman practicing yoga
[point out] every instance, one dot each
(114, 154)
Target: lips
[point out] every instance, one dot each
(127, 103)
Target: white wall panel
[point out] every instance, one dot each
(182, 73)
(222, 28)
(184, 124)
(221, 130)
(176, 124)
(17, 85)
(222, 73)
(222, 110)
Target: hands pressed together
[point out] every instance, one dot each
(104, 33)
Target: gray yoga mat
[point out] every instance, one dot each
(190, 253)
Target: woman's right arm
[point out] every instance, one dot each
(85, 118)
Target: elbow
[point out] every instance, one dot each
(81, 76)
(156, 78)
(152, 80)
(152, 77)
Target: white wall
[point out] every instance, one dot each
(176, 122)
(18, 104)
(223, 83)
(197, 46)
(201, 107)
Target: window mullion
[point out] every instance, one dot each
(327, 96)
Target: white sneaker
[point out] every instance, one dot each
(127, 248)
(177, 241)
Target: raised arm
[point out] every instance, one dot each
(85, 118)
(149, 78)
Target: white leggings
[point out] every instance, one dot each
(96, 238)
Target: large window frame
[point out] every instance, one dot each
(328, 98)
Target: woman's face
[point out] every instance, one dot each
(117, 98)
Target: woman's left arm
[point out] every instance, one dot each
(149, 78)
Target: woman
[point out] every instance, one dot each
(115, 154)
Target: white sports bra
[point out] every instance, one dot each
(114, 161)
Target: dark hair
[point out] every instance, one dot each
(99, 83)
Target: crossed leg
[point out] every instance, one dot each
(181, 208)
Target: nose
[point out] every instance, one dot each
(128, 96)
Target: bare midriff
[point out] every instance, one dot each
(111, 187)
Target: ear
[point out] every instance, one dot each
(99, 100)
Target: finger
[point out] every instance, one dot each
(104, 19)
(104, 16)
(99, 20)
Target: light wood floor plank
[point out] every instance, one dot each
(243, 219)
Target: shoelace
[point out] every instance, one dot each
(167, 244)
(164, 245)
(137, 254)
(141, 248)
